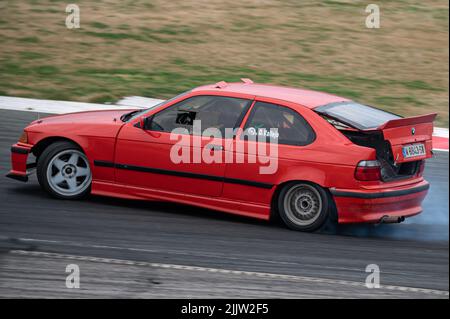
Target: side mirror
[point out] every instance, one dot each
(144, 122)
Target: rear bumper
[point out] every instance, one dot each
(370, 206)
(19, 167)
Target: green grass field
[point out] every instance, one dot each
(160, 48)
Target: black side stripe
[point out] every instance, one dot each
(103, 163)
(182, 174)
(247, 182)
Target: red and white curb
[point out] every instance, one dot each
(440, 135)
(440, 139)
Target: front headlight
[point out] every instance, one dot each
(23, 138)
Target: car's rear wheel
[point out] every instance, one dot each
(63, 171)
(303, 206)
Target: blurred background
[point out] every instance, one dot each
(160, 48)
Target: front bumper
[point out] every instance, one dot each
(19, 167)
(371, 206)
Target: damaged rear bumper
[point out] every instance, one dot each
(383, 205)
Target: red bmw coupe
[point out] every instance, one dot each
(325, 157)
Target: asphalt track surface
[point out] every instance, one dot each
(156, 250)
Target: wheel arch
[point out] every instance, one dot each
(40, 146)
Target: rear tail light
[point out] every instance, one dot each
(368, 171)
(421, 168)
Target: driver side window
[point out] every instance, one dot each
(213, 111)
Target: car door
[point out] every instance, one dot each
(272, 135)
(169, 153)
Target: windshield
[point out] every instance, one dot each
(139, 112)
(357, 115)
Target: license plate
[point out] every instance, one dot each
(414, 150)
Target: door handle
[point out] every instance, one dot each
(214, 147)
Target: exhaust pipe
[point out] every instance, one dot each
(386, 219)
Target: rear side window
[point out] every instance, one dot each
(357, 115)
(292, 127)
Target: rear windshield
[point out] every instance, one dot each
(356, 115)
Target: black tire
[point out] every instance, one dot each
(304, 212)
(43, 162)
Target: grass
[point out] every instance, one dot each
(161, 48)
(32, 39)
(29, 55)
(98, 25)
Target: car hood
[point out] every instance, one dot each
(96, 124)
(89, 117)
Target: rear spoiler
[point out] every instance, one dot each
(427, 118)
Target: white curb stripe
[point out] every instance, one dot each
(440, 132)
(61, 107)
(138, 101)
(228, 271)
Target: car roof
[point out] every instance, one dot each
(307, 98)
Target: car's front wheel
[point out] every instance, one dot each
(303, 206)
(63, 171)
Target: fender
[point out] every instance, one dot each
(97, 145)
